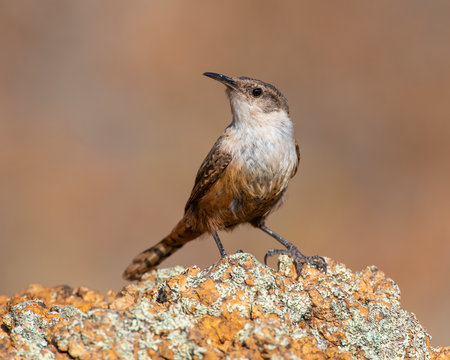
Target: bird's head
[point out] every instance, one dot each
(251, 98)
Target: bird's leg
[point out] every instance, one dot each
(222, 251)
(291, 250)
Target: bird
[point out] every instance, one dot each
(243, 178)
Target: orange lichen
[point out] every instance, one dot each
(236, 308)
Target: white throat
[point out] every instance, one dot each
(262, 142)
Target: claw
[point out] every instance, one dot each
(318, 261)
(299, 259)
(273, 252)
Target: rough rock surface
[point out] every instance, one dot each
(236, 309)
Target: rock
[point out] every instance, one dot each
(236, 309)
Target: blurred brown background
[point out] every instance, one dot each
(105, 118)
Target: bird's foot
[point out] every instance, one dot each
(299, 259)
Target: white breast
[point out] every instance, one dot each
(263, 146)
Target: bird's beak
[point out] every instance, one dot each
(227, 81)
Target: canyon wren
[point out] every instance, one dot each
(242, 179)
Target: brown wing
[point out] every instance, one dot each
(297, 149)
(210, 170)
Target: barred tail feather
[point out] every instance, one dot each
(152, 257)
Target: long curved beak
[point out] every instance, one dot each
(227, 81)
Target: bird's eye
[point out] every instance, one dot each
(257, 92)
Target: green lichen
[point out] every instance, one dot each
(285, 265)
(238, 275)
(182, 347)
(297, 305)
(28, 331)
(164, 274)
(374, 327)
(269, 333)
(241, 258)
(139, 325)
(267, 303)
(194, 281)
(215, 272)
(386, 333)
(339, 309)
(215, 309)
(242, 309)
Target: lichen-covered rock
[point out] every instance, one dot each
(236, 309)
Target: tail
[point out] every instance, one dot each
(153, 256)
